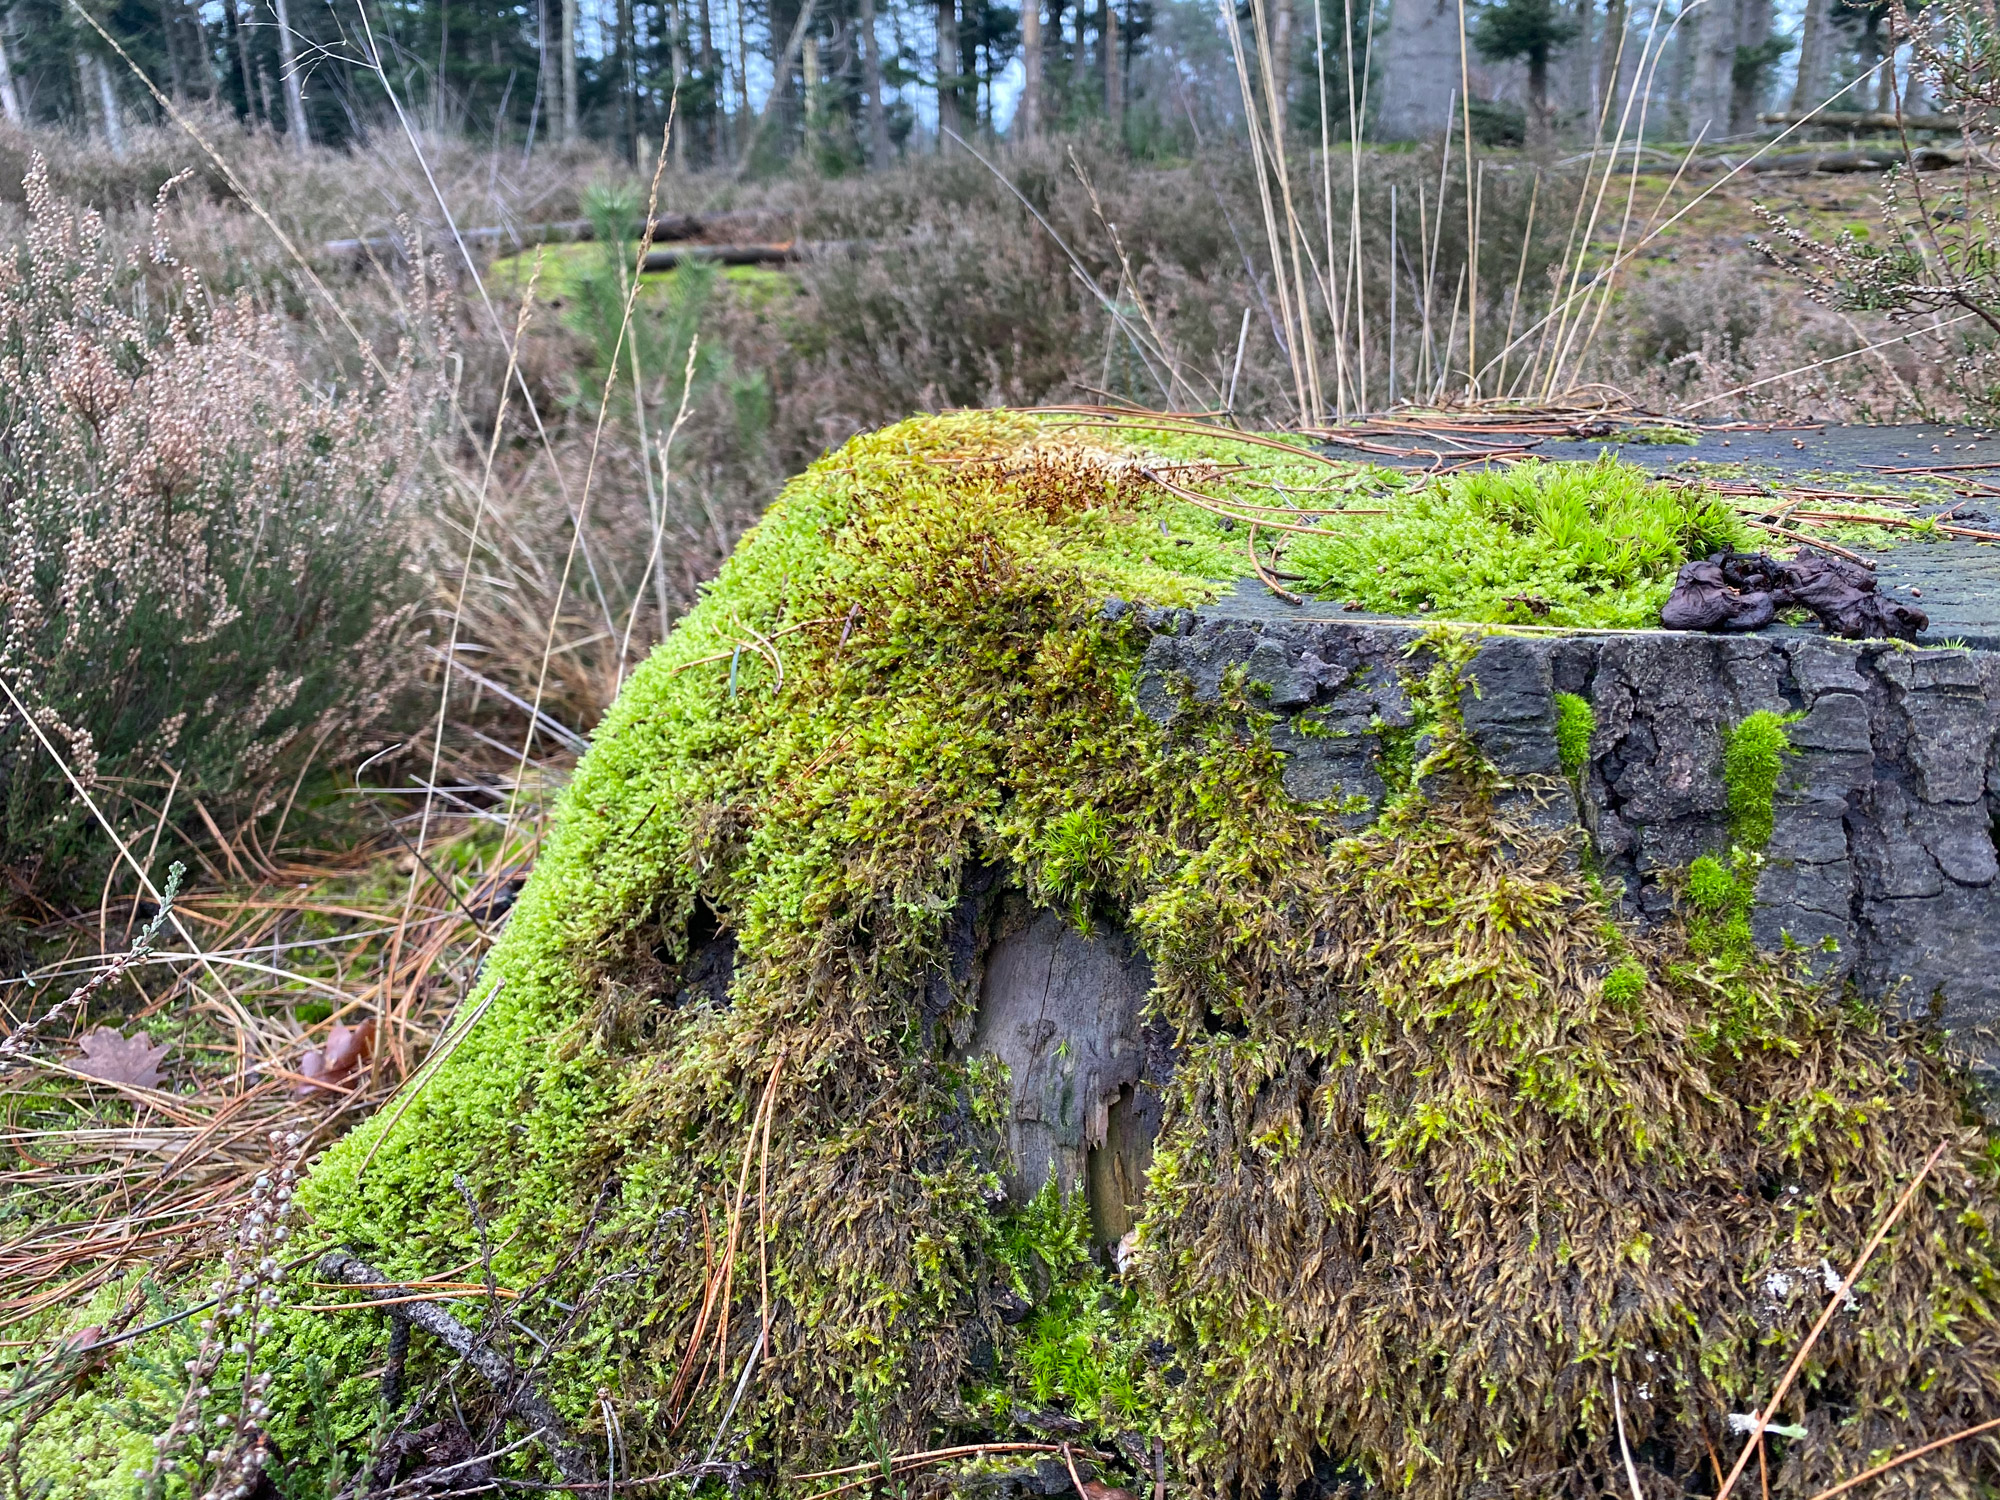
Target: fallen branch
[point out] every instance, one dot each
(513, 1389)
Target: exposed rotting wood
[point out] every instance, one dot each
(513, 1388)
(1065, 1011)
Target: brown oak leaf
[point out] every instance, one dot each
(346, 1049)
(115, 1058)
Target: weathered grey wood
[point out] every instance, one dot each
(1065, 1012)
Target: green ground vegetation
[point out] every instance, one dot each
(1445, 1150)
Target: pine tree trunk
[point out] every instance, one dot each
(628, 84)
(871, 88)
(295, 103)
(10, 98)
(742, 72)
(240, 31)
(1114, 70)
(170, 39)
(809, 64)
(1713, 43)
(1809, 89)
(1281, 46)
(1753, 30)
(947, 70)
(569, 70)
(675, 22)
(1029, 120)
(107, 98)
(1612, 67)
(711, 76)
(205, 53)
(1419, 71)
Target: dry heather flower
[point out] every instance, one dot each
(245, 1293)
(205, 559)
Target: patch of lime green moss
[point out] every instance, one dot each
(1664, 432)
(1082, 1346)
(1721, 890)
(564, 264)
(1556, 544)
(1576, 722)
(1753, 757)
(1625, 983)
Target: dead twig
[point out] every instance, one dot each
(514, 1390)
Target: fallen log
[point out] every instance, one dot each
(666, 228)
(782, 253)
(1859, 119)
(1872, 159)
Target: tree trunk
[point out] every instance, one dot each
(1114, 69)
(1612, 68)
(170, 40)
(711, 75)
(239, 31)
(742, 74)
(676, 22)
(1281, 44)
(107, 101)
(947, 70)
(809, 65)
(1029, 119)
(295, 103)
(1419, 70)
(205, 53)
(871, 88)
(10, 98)
(1713, 43)
(569, 70)
(1753, 30)
(1815, 56)
(628, 84)
(1538, 102)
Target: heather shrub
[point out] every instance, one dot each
(206, 566)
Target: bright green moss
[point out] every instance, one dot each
(1625, 983)
(1575, 724)
(1721, 892)
(1556, 544)
(1710, 886)
(1753, 755)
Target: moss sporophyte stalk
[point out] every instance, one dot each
(1426, 1178)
